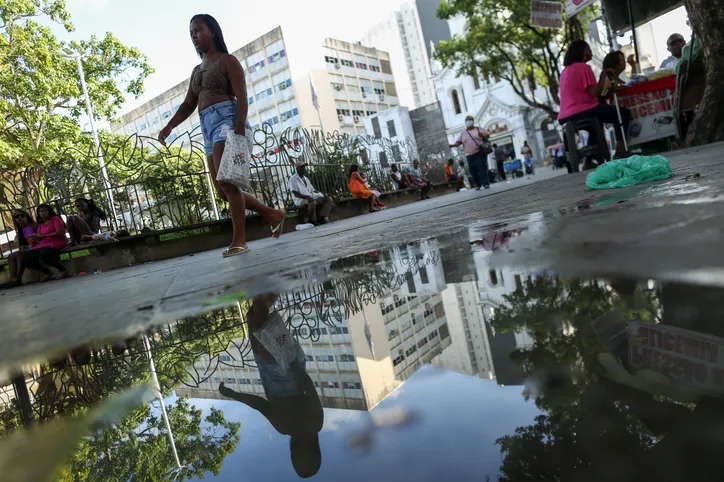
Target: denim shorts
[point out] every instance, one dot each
(276, 382)
(216, 122)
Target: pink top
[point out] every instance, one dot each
(575, 79)
(51, 227)
(471, 140)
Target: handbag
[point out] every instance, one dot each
(279, 341)
(485, 148)
(235, 165)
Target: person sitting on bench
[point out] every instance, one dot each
(451, 176)
(313, 205)
(580, 92)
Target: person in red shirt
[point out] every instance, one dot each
(580, 91)
(450, 175)
(47, 242)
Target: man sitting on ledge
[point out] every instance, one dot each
(314, 206)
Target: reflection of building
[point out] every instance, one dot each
(357, 362)
(470, 350)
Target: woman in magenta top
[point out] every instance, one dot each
(580, 91)
(47, 243)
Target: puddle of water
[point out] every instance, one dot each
(421, 359)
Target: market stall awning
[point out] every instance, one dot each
(617, 11)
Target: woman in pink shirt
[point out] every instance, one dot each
(48, 241)
(580, 92)
(471, 138)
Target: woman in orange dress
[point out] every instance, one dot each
(356, 183)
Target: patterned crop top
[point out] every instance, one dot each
(210, 83)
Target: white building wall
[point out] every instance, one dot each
(395, 125)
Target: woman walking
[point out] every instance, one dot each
(218, 90)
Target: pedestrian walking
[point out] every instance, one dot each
(527, 154)
(218, 89)
(472, 139)
(499, 154)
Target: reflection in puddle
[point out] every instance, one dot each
(548, 377)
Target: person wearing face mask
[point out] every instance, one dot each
(471, 139)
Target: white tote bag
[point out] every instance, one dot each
(235, 166)
(279, 341)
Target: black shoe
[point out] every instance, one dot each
(487, 186)
(477, 188)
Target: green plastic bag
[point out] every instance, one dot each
(629, 172)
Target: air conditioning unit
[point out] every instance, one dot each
(340, 117)
(338, 86)
(356, 119)
(283, 116)
(382, 96)
(282, 86)
(364, 95)
(337, 66)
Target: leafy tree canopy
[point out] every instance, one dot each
(499, 42)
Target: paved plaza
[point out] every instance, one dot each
(667, 230)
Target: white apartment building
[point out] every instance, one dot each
(394, 137)
(272, 97)
(351, 82)
(402, 35)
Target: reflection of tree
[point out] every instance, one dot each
(136, 449)
(589, 422)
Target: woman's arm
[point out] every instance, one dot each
(253, 401)
(603, 83)
(238, 84)
(184, 112)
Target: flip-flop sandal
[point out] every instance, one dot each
(235, 251)
(277, 231)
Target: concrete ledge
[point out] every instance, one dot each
(214, 235)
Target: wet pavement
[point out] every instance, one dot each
(541, 333)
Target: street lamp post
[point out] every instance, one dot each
(89, 109)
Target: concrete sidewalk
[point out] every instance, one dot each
(668, 229)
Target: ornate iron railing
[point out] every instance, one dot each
(147, 186)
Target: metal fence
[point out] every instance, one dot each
(143, 185)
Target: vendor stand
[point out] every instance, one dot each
(651, 104)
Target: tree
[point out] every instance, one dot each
(137, 449)
(500, 43)
(41, 100)
(706, 19)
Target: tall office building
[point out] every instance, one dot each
(407, 35)
(272, 98)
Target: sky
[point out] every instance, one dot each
(160, 29)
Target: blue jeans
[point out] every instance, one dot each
(478, 164)
(216, 122)
(529, 163)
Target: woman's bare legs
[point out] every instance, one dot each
(239, 202)
(77, 227)
(17, 268)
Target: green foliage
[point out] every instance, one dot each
(137, 449)
(500, 43)
(41, 99)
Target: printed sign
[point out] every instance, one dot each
(546, 14)
(688, 358)
(575, 6)
(652, 108)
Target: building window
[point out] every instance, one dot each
(360, 113)
(383, 160)
(385, 66)
(362, 66)
(456, 102)
(391, 128)
(376, 127)
(343, 112)
(331, 60)
(347, 63)
(276, 56)
(256, 67)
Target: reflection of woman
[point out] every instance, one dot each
(218, 88)
(88, 221)
(357, 186)
(292, 405)
(48, 241)
(25, 227)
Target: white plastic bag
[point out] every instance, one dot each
(235, 164)
(279, 341)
